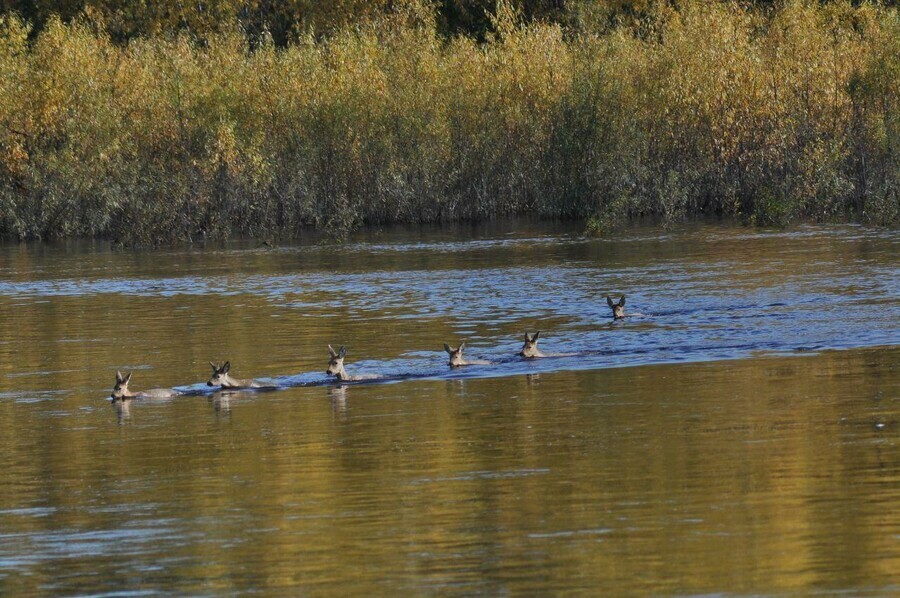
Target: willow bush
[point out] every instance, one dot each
(768, 116)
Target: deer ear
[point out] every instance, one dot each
(609, 301)
(331, 351)
(119, 377)
(214, 366)
(342, 352)
(461, 345)
(226, 367)
(536, 335)
(127, 378)
(448, 349)
(622, 301)
(527, 338)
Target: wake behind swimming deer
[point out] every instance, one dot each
(221, 378)
(456, 356)
(336, 366)
(120, 390)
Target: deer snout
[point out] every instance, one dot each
(209, 383)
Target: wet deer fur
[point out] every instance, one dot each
(220, 377)
(456, 356)
(336, 366)
(120, 390)
(336, 363)
(618, 309)
(530, 349)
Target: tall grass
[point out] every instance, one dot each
(711, 108)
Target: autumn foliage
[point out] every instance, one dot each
(767, 115)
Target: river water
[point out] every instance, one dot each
(736, 434)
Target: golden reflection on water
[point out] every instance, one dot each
(770, 475)
(777, 474)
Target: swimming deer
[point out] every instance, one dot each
(336, 366)
(617, 308)
(456, 356)
(336, 363)
(120, 390)
(529, 349)
(221, 378)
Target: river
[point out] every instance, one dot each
(736, 434)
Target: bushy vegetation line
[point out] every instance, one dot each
(284, 20)
(769, 116)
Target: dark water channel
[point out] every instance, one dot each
(737, 434)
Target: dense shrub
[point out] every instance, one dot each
(711, 108)
(285, 19)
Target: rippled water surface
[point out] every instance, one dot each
(736, 434)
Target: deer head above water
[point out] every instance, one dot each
(120, 390)
(336, 363)
(220, 377)
(618, 309)
(530, 349)
(456, 355)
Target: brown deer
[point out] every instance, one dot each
(529, 349)
(618, 309)
(120, 390)
(456, 356)
(336, 366)
(336, 363)
(221, 378)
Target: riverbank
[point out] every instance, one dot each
(766, 117)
